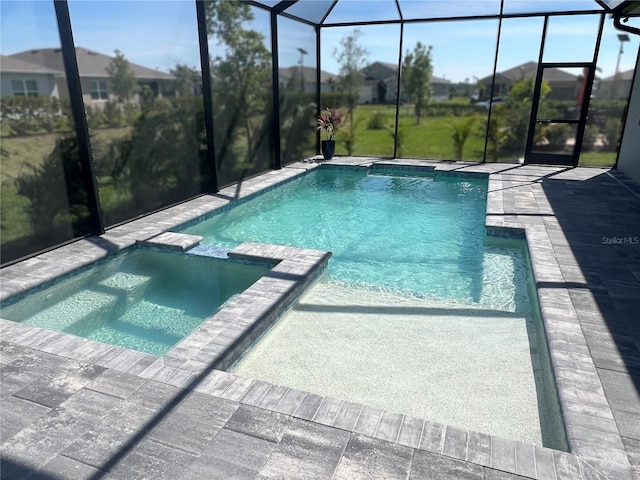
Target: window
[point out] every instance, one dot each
(98, 90)
(24, 88)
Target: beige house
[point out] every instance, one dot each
(92, 66)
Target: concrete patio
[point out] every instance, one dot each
(72, 408)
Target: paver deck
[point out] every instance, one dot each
(71, 408)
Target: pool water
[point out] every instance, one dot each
(143, 300)
(418, 235)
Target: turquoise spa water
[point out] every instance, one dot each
(144, 300)
(418, 314)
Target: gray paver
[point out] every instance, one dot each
(567, 466)
(308, 407)
(368, 420)
(348, 415)
(503, 454)
(232, 455)
(525, 460)
(69, 469)
(290, 401)
(455, 442)
(411, 431)
(327, 411)
(370, 458)
(307, 451)
(389, 426)
(429, 465)
(155, 460)
(432, 437)
(479, 448)
(23, 413)
(259, 423)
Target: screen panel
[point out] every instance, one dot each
(43, 198)
(142, 91)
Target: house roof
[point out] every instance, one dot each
(380, 71)
(530, 69)
(12, 64)
(90, 63)
(385, 71)
(626, 75)
(309, 74)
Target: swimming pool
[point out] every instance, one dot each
(144, 300)
(417, 233)
(418, 314)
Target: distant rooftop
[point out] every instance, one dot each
(90, 63)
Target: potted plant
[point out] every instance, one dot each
(327, 123)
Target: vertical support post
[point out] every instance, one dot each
(275, 131)
(318, 85)
(79, 117)
(586, 97)
(399, 79)
(493, 84)
(536, 92)
(207, 96)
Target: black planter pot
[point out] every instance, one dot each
(328, 148)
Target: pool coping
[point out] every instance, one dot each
(595, 446)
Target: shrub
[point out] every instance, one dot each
(591, 134)
(612, 134)
(113, 114)
(558, 134)
(30, 115)
(95, 117)
(438, 109)
(460, 132)
(333, 100)
(376, 121)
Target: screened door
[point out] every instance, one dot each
(558, 117)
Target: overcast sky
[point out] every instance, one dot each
(159, 34)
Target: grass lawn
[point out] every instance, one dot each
(20, 152)
(597, 159)
(431, 139)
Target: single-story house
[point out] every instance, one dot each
(290, 79)
(20, 78)
(94, 77)
(381, 80)
(564, 85)
(615, 87)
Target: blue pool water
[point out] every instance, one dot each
(403, 232)
(144, 300)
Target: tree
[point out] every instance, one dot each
(352, 59)
(241, 75)
(516, 110)
(123, 80)
(186, 79)
(416, 78)
(460, 132)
